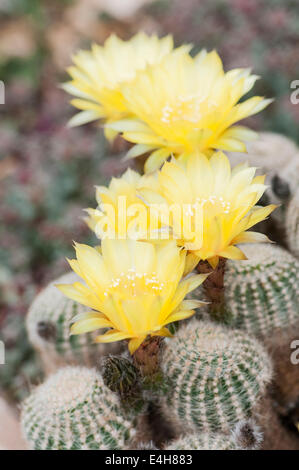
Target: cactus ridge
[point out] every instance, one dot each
(74, 410)
(217, 376)
(203, 442)
(262, 292)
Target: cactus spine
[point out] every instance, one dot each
(216, 376)
(74, 410)
(262, 292)
(202, 442)
(245, 436)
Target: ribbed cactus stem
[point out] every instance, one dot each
(214, 288)
(262, 292)
(74, 409)
(245, 436)
(122, 377)
(147, 359)
(217, 376)
(202, 442)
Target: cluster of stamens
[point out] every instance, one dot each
(135, 283)
(217, 202)
(187, 108)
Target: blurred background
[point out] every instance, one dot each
(48, 172)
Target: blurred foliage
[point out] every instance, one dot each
(47, 171)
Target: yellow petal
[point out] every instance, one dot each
(213, 261)
(232, 252)
(92, 266)
(195, 281)
(179, 315)
(190, 304)
(259, 214)
(75, 267)
(134, 344)
(90, 324)
(192, 261)
(80, 294)
(137, 150)
(83, 118)
(250, 237)
(87, 316)
(111, 336)
(155, 160)
(163, 332)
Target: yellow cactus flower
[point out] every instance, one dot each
(98, 74)
(212, 205)
(133, 288)
(120, 212)
(187, 104)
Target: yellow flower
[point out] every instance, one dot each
(212, 205)
(121, 213)
(185, 104)
(134, 288)
(98, 74)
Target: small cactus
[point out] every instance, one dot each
(277, 156)
(48, 325)
(245, 436)
(216, 376)
(292, 224)
(262, 292)
(120, 375)
(74, 410)
(202, 442)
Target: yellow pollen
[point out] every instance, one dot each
(187, 108)
(213, 203)
(135, 283)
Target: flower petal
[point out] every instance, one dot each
(233, 252)
(90, 324)
(112, 335)
(134, 343)
(251, 237)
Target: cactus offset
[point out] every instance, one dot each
(48, 324)
(262, 292)
(202, 442)
(277, 156)
(216, 376)
(245, 436)
(73, 409)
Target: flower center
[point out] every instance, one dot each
(132, 283)
(187, 108)
(212, 205)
